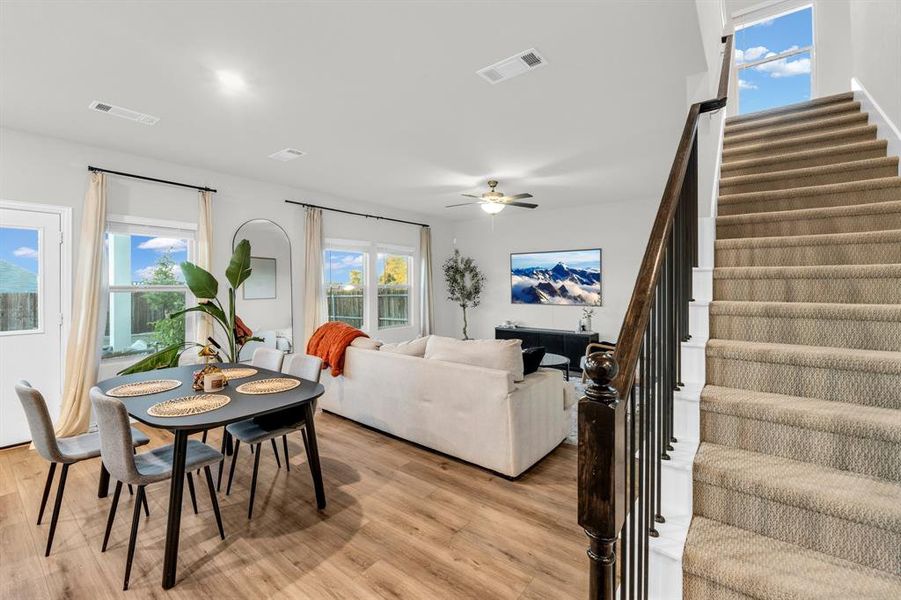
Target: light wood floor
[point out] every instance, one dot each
(401, 522)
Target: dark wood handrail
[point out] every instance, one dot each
(635, 321)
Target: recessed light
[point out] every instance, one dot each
(231, 81)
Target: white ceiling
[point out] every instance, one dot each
(382, 95)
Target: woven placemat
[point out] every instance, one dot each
(268, 386)
(143, 388)
(188, 405)
(238, 372)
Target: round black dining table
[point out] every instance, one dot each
(240, 408)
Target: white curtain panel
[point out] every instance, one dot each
(203, 325)
(312, 294)
(426, 314)
(83, 349)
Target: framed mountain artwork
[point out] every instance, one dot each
(560, 278)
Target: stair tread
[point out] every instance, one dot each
(823, 357)
(792, 129)
(843, 418)
(803, 139)
(813, 190)
(802, 114)
(777, 159)
(762, 567)
(804, 214)
(798, 106)
(878, 271)
(808, 310)
(846, 495)
(819, 239)
(804, 172)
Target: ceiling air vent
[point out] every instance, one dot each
(287, 154)
(125, 113)
(517, 64)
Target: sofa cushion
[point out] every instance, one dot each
(411, 348)
(531, 359)
(503, 355)
(366, 343)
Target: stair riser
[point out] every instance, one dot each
(789, 182)
(856, 387)
(803, 107)
(769, 135)
(824, 200)
(797, 256)
(835, 333)
(863, 544)
(804, 162)
(694, 586)
(872, 221)
(806, 115)
(842, 291)
(867, 456)
(761, 149)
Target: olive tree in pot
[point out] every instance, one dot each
(464, 284)
(205, 288)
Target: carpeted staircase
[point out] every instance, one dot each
(797, 479)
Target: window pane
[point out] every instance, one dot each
(19, 268)
(775, 83)
(145, 260)
(137, 322)
(345, 290)
(394, 290)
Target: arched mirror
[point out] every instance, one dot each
(265, 302)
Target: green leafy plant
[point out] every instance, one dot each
(464, 284)
(205, 288)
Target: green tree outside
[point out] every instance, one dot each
(166, 331)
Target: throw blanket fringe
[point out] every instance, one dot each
(330, 341)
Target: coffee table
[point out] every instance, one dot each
(556, 361)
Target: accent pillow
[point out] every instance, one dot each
(504, 355)
(531, 359)
(411, 348)
(366, 343)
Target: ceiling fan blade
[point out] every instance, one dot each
(462, 204)
(519, 196)
(472, 196)
(522, 204)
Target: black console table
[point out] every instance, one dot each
(570, 344)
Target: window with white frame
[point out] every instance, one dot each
(774, 58)
(145, 286)
(354, 270)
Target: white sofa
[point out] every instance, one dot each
(473, 413)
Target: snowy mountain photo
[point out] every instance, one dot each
(563, 278)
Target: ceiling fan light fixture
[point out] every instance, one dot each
(492, 208)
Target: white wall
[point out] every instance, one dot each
(46, 170)
(876, 52)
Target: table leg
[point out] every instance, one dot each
(313, 448)
(173, 526)
(103, 486)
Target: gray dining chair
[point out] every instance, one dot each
(299, 365)
(145, 468)
(63, 451)
(267, 358)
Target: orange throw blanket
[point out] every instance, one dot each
(330, 342)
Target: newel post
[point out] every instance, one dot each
(601, 472)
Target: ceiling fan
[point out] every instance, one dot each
(493, 201)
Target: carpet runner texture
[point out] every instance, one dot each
(797, 478)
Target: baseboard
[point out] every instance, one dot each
(885, 128)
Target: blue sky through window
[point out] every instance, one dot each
(146, 252)
(20, 247)
(778, 82)
(339, 264)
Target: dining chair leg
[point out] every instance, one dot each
(231, 470)
(275, 449)
(144, 504)
(285, 444)
(135, 519)
(223, 449)
(306, 445)
(112, 515)
(253, 481)
(191, 491)
(131, 491)
(215, 501)
(229, 443)
(203, 438)
(57, 503)
(46, 494)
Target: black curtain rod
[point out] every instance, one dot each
(154, 179)
(350, 212)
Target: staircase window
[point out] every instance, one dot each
(774, 60)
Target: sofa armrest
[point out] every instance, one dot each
(538, 418)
